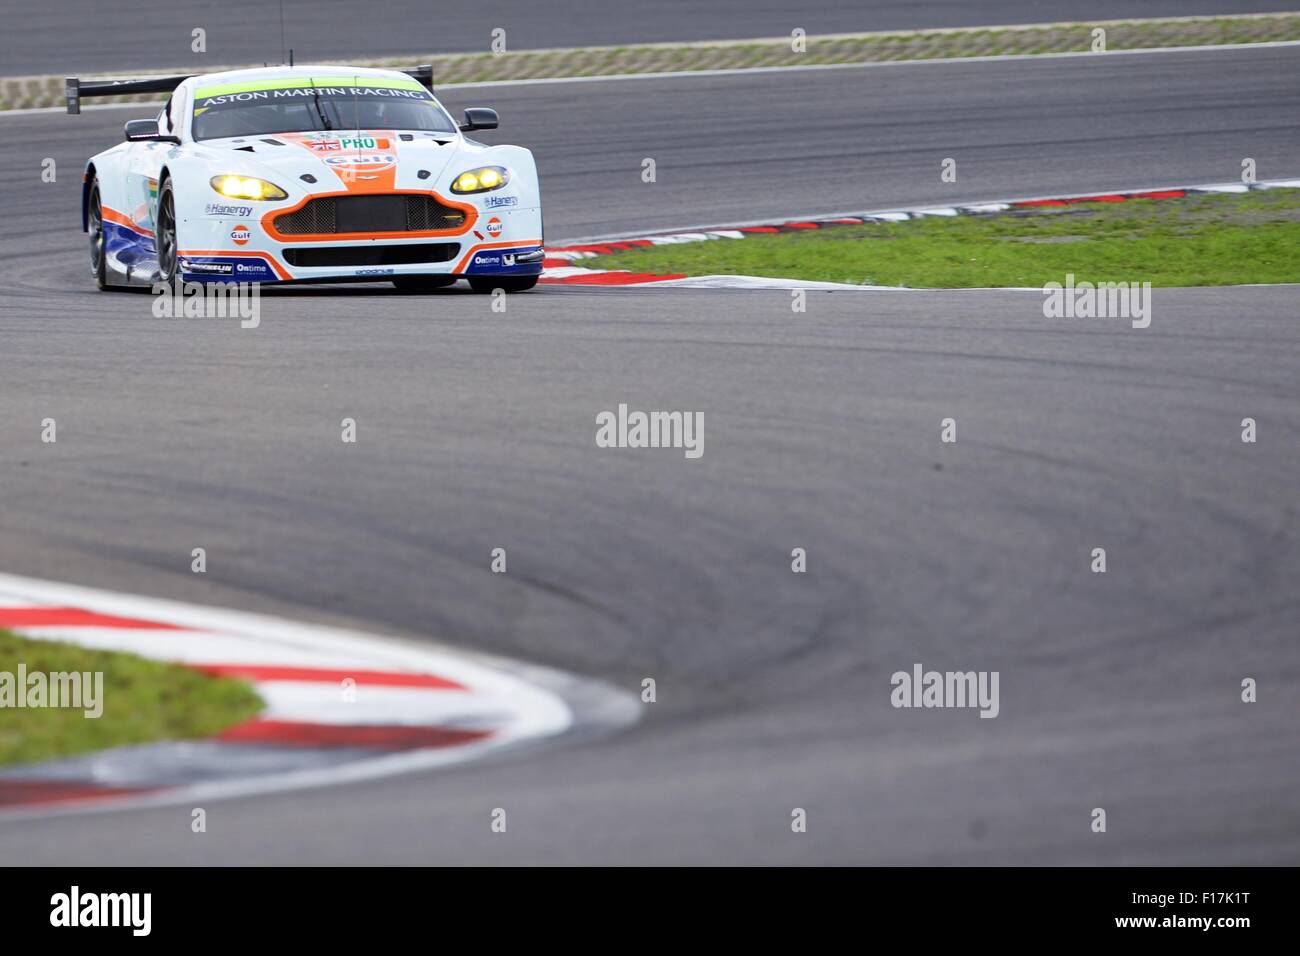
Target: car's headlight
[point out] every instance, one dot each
(246, 187)
(481, 180)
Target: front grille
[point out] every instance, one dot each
(373, 254)
(333, 215)
(424, 213)
(315, 217)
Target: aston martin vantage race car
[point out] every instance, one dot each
(308, 174)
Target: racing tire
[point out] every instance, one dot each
(95, 227)
(508, 283)
(165, 233)
(423, 283)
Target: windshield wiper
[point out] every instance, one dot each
(315, 94)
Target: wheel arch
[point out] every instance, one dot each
(87, 178)
(164, 177)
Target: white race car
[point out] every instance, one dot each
(308, 174)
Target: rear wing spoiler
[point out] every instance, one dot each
(423, 74)
(75, 89)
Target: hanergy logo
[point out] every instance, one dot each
(223, 209)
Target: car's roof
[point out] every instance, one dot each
(295, 72)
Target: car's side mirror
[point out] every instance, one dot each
(146, 131)
(479, 117)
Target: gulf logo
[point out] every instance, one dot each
(240, 235)
(493, 227)
(361, 164)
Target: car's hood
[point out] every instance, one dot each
(358, 161)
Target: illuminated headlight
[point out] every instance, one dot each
(481, 180)
(245, 187)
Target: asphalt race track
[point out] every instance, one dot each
(1118, 690)
(744, 147)
(74, 36)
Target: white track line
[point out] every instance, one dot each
(519, 704)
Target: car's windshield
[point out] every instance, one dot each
(300, 105)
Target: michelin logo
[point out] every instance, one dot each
(213, 268)
(256, 269)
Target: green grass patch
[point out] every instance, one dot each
(1195, 241)
(143, 700)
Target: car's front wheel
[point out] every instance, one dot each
(507, 283)
(165, 233)
(95, 227)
